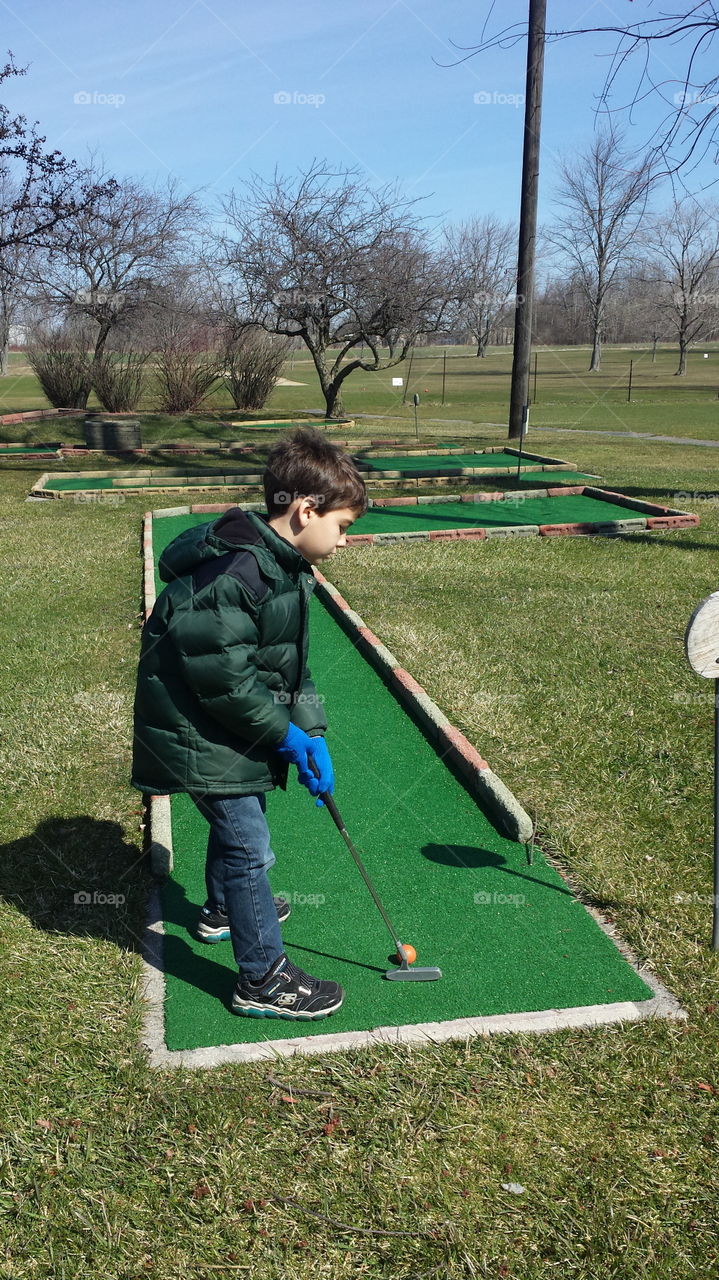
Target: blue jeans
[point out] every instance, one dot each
(238, 858)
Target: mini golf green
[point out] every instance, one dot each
(513, 511)
(450, 463)
(32, 450)
(522, 510)
(508, 937)
(56, 482)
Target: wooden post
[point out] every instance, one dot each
(409, 375)
(629, 389)
(524, 303)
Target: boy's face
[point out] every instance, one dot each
(323, 531)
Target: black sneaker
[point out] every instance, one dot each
(287, 992)
(213, 926)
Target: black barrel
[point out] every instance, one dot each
(112, 435)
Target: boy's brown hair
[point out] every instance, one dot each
(307, 465)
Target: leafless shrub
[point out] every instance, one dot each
(118, 380)
(59, 359)
(252, 364)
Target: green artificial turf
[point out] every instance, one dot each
(500, 512)
(26, 448)
(508, 937)
(59, 483)
(564, 509)
(450, 462)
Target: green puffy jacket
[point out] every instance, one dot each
(223, 663)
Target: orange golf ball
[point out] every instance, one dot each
(410, 953)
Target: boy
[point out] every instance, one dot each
(225, 701)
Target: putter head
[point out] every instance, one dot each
(418, 974)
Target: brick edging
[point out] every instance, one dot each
(488, 789)
(8, 419)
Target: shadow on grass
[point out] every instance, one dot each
(664, 539)
(78, 876)
(663, 491)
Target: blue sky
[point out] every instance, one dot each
(188, 87)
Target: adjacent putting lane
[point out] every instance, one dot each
(522, 509)
(508, 937)
(449, 463)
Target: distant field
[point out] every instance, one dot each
(477, 391)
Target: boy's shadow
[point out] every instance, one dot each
(79, 876)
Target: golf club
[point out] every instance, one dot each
(404, 973)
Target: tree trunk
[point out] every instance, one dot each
(683, 344)
(334, 407)
(597, 321)
(102, 337)
(4, 343)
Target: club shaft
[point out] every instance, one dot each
(334, 812)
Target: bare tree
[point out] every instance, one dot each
(41, 187)
(604, 197)
(14, 260)
(39, 190)
(683, 260)
(484, 253)
(114, 251)
(690, 126)
(329, 260)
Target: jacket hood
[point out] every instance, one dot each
(235, 528)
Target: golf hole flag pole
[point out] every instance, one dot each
(701, 643)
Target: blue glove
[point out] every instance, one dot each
(297, 746)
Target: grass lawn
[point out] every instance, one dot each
(476, 391)
(562, 661)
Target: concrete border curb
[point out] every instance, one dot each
(161, 851)
(662, 1005)
(159, 815)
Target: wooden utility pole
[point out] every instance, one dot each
(524, 305)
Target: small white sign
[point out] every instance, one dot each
(398, 382)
